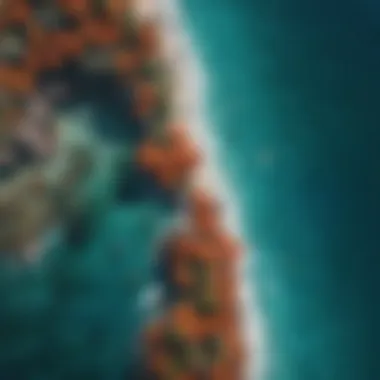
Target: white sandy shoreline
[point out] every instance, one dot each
(188, 97)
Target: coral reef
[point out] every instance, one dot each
(198, 337)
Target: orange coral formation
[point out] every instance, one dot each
(15, 11)
(203, 256)
(183, 318)
(87, 7)
(126, 62)
(149, 41)
(204, 265)
(75, 7)
(78, 27)
(171, 162)
(16, 80)
(204, 211)
(101, 32)
(118, 8)
(146, 99)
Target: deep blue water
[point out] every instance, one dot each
(300, 144)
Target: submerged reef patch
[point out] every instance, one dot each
(60, 181)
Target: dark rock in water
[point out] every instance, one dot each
(171, 200)
(99, 8)
(70, 75)
(49, 15)
(151, 71)
(68, 22)
(39, 3)
(179, 349)
(24, 154)
(113, 112)
(211, 348)
(206, 306)
(6, 171)
(162, 273)
(136, 185)
(109, 98)
(77, 219)
(78, 229)
(97, 59)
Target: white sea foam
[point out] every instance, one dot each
(188, 97)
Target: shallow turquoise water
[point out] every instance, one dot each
(79, 311)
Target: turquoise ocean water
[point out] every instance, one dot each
(294, 104)
(294, 99)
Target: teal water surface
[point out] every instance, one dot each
(294, 100)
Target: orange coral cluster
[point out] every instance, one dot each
(204, 319)
(48, 34)
(202, 267)
(198, 338)
(171, 159)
